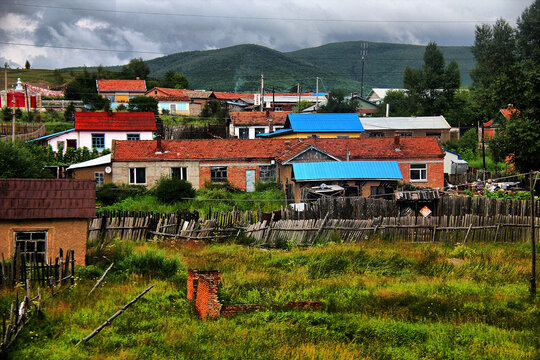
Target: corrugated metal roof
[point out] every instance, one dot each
(345, 170)
(102, 160)
(51, 135)
(328, 122)
(405, 123)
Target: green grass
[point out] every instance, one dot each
(379, 301)
(491, 166)
(187, 120)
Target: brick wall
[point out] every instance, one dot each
(207, 301)
(227, 310)
(236, 174)
(435, 173)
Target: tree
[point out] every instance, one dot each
(431, 89)
(17, 161)
(135, 68)
(171, 190)
(143, 104)
(213, 109)
(27, 65)
(399, 104)
(338, 104)
(175, 80)
(58, 78)
(304, 104)
(69, 113)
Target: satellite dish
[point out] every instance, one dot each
(108, 169)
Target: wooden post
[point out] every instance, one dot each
(468, 231)
(532, 289)
(101, 279)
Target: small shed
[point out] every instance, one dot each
(42, 216)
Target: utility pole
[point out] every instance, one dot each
(533, 244)
(5, 80)
(13, 119)
(273, 99)
(262, 92)
(317, 95)
(298, 92)
(483, 154)
(364, 53)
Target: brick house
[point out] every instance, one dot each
(45, 216)
(412, 126)
(172, 100)
(244, 162)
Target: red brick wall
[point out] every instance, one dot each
(435, 174)
(234, 309)
(207, 301)
(235, 174)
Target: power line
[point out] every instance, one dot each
(435, 21)
(82, 48)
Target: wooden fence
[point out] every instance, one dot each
(414, 229)
(23, 267)
(194, 132)
(22, 131)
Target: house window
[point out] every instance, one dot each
(218, 173)
(278, 108)
(71, 143)
(243, 133)
(418, 172)
(98, 141)
(376, 134)
(172, 109)
(32, 242)
(437, 134)
(406, 134)
(259, 131)
(134, 136)
(137, 175)
(342, 136)
(179, 173)
(60, 145)
(267, 173)
(99, 177)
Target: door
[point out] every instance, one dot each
(250, 180)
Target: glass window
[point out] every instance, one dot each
(32, 242)
(218, 173)
(99, 177)
(437, 134)
(342, 136)
(259, 131)
(243, 133)
(418, 172)
(267, 173)
(376, 134)
(98, 141)
(179, 173)
(406, 134)
(134, 136)
(172, 108)
(137, 175)
(278, 108)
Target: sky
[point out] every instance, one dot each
(68, 33)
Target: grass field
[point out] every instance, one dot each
(380, 301)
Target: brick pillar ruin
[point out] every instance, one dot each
(202, 288)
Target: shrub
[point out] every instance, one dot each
(110, 193)
(150, 263)
(267, 185)
(171, 190)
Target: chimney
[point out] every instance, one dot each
(110, 112)
(270, 122)
(159, 148)
(396, 141)
(137, 78)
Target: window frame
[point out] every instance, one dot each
(133, 136)
(264, 170)
(99, 176)
(134, 175)
(241, 131)
(420, 169)
(183, 172)
(42, 255)
(259, 130)
(216, 173)
(98, 136)
(376, 134)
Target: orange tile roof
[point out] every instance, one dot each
(258, 118)
(280, 149)
(121, 85)
(509, 111)
(228, 95)
(115, 121)
(168, 94)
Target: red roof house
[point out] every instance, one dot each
(45, 216)
(120, 91)
(248, 124)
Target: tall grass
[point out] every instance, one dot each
(380, 300)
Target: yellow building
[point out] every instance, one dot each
(327, 125)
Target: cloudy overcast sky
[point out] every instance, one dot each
(75, 33)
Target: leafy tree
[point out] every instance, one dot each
(18, 161)
(213, 109)
(83, 87)
(69, 113)
(399, 104)
(135, 68)
(304, 104)
(58, 78)
(338, 104)
(175, 80)
(143, 104)
(432, 88)
(171, 190)
(27, 64)
(7, 113)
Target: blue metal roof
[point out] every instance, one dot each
(51, 135)
(277, 132)
(326, 122)
(347, 170)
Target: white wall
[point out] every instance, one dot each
(252, 130)
(84, 138)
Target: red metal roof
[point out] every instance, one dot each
(280, 149)
(258, 118)
(115, 121)
(121, 85)
(47, 199)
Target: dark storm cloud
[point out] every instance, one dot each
(166, 26)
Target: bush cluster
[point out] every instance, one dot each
(171, 190)
(110, 193)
